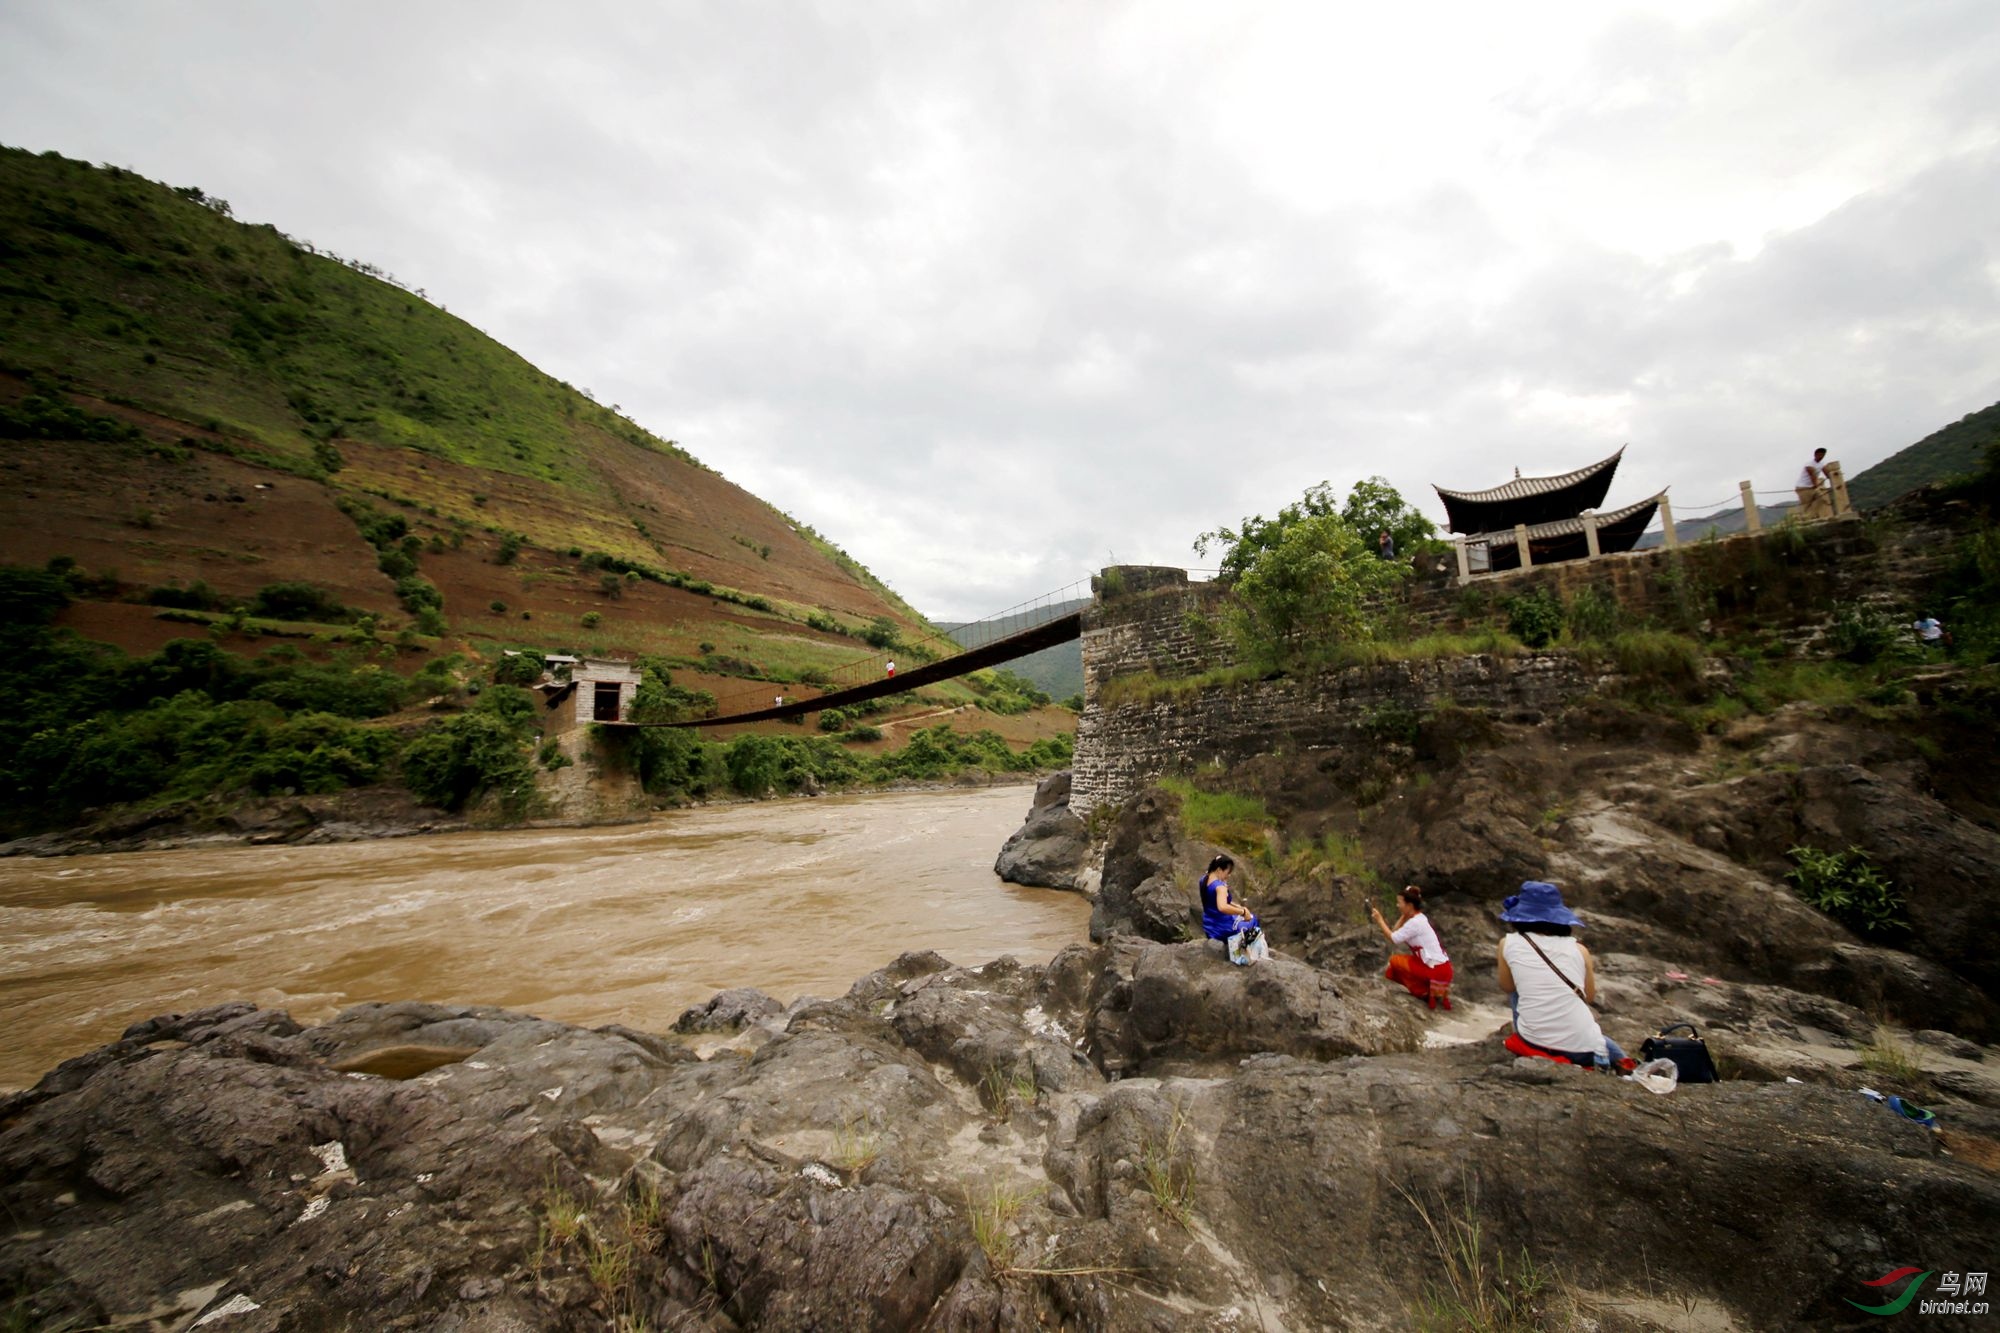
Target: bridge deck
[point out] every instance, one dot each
(1045, 635)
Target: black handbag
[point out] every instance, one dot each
(1689, 1053)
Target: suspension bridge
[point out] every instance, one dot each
(1028, 627)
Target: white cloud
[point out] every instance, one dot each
(989, 293)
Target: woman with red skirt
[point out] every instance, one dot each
(1425, 971)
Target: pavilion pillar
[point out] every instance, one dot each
(1752, 522)
(1590, 532)
(1521, 545)
(1667, 533)
(1464, 560)
(1838, 480)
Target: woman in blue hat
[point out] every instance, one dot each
(1552, 979)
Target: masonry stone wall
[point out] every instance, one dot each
(1120, 749)
(1153, 621)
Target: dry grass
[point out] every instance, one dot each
(1169, 1172)
(1887, 1059)
(855, 1149)
(1475, 1288)
(992, 1211)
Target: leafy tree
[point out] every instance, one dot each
(464, 757)
(1308, 588)
(658, 699)
(1374, 506)
(1242, 546)
(881, 633)
(522, 668)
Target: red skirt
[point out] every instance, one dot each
(1411, 973)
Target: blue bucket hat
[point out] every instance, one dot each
(1538, 901)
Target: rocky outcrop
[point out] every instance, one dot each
(1150, 870)
(1052, 849)
(1139, 1136)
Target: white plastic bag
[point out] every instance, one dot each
(1248, 946)
(1661, 1076)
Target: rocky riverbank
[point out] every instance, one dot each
(1135, 1135)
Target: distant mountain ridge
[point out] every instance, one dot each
(1057, 671)
(1951, 451)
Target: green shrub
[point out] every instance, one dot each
(510, 547)
(1660, 659)
(519, 668)
(1535, 618)
(1593, 614)
(464, 757)
(197, 596)
(551, 755)
(1863, 633)
(1849, 888)
(297, 601)
(418, 594)
(832, 719)
(591, 619)
(862, 733)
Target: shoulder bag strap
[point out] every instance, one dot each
(1553, 968)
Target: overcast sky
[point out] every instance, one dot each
(994, 294)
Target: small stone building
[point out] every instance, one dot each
(604, 690)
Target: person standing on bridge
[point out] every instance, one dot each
(892, 668)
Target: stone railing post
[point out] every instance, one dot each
(1521, 545)
(1752, 522)
(1464, 560)
(1667, 533)
(1590, 532)
(1838, 479)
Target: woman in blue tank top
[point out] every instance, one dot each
(1222, 916)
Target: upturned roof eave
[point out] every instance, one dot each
(1521, 488)
(1567, 527)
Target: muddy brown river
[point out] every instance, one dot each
(628, 924)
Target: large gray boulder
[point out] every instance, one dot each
(1179, 1001)
(1052, 849)
(1150, 873)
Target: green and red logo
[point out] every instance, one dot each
(1900, 1303)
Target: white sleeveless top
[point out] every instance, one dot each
(1552, 1015)
(1422, 939)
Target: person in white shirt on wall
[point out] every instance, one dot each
(1815, 499)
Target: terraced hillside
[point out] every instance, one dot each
(199, 404)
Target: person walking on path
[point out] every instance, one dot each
(1424, 971)
(1815, 499)
(1552, 978)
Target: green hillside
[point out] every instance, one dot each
(259, 345)
(275, 524)
(1956, 450)
(120, 283)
